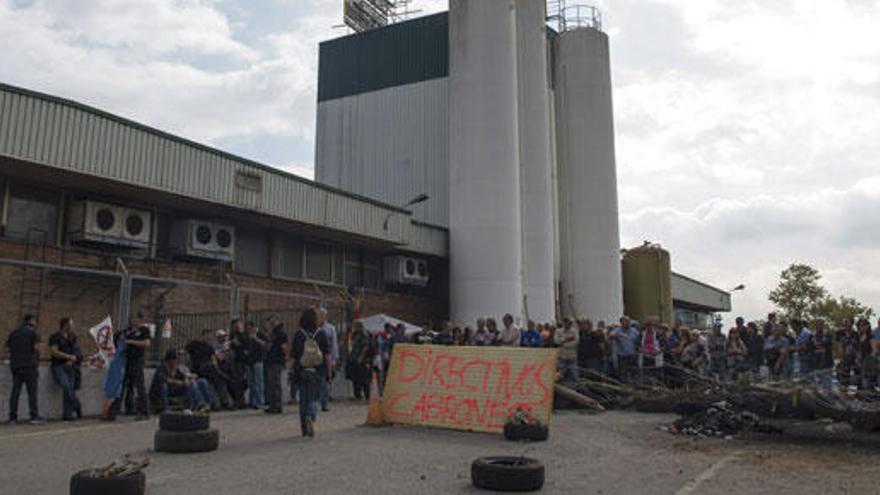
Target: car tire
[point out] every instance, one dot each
(180, 421)
(508, 474)
(83, 484)
(186, 442)
(528, 432)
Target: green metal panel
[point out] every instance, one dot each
(402, 53)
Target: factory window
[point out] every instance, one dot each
(339, 265)
(319, 262)
(31, 213)
(372, 272)
(291, 258)
(251, 252)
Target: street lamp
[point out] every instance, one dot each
(421, 198)
(738, 287)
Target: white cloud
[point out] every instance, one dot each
(747, 132)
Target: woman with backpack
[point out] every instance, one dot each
(310, 351)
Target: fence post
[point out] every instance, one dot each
(233, 302)
(124, 300)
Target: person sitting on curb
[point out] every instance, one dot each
(172, 381)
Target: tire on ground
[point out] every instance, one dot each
(179, 442)
(82, 484)
(179, 421)
(507, 474)
(532, 433)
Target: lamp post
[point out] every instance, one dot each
(421, 198)
(738, 287)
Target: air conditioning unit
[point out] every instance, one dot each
(104, 223)
(406, 270)
(136, 226)
(203, 239)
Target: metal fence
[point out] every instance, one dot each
(52, 291)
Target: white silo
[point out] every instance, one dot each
(587, 180)
(534, 154)
(485, 231)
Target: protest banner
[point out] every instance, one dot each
(468, 388)
(103, 335)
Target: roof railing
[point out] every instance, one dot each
(566, 17)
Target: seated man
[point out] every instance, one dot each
(172, 381)
(203, 359)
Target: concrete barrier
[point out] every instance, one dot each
(91, 394)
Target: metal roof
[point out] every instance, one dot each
(69, 136)
(696, 293)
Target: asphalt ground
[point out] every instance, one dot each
(609, 453)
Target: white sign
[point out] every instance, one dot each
(103, 335)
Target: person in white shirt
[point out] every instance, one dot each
(330, 331)
(511, 334)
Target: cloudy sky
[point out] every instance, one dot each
(748, 133)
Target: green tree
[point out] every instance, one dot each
(835, 311)
(798, 291)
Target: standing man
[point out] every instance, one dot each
(276, 360)
(803, 344)
(311, 355)
(255, 343)
(64, 353)
(566, 338)
(716, 345)
(626, 338)
(332, 340)
(823, 355)
(511, 335)
(24, 352)
(531, 337)
(138, 340)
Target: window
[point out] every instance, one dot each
(251, 252)
(34, 210)
(291, 258)
(319, 262)
(373, 272)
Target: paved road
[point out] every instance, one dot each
(615, 452)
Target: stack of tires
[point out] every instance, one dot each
(185, 432)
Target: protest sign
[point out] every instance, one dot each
(103, 335)
(468, 388)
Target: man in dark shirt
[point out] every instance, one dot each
(64, 353)
(823, 355)
(138, 339)
(23, 361)
(310, 377)
(203, 359)
(276, 360)
(254, 341)
(591, 347)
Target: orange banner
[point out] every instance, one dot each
(468, 388)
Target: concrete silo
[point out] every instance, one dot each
(535, 160)
(485, 225)
(587, 180)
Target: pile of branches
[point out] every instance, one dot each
(120, 467)
(687, 393)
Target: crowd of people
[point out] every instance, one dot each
(772, 350)
(244, 366)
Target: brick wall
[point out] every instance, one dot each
(89, 299)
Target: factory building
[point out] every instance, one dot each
(102, 216)
(507, 125)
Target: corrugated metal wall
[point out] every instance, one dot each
(65, 135)
(402, 53)
(390, 145)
